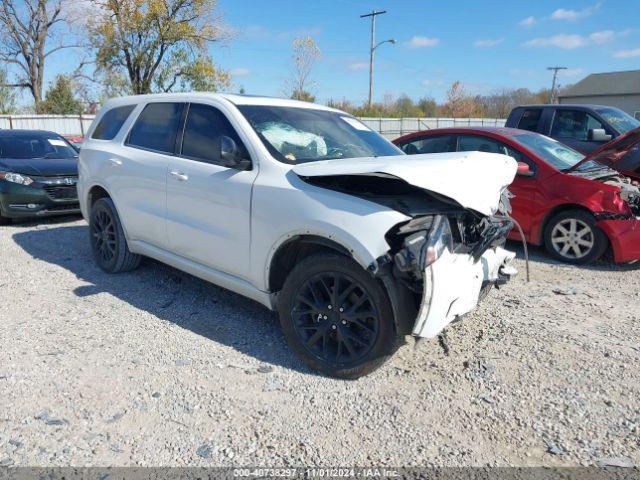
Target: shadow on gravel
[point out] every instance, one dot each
(169, 294)
(34, 222)
(539, 254)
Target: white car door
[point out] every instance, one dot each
(141, 186)
(208, 204)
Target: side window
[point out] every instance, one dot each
(530, 119)
(476, 143)
(573, 124)
(435, 144)
(111, 122)
(157, 127)
(203, 129)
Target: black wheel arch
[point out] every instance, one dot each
(297, 248)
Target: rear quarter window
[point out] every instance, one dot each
(434, 144)
(157, 127)
(530, 119)
(111, 122)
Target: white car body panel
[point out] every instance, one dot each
(453, 285)
(473, 179)
(225, 225)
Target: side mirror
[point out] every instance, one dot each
(524, 170)
(598, 135)
(230, 154)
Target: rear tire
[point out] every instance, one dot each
(5, 220)
(107, 239)
(573, 237)
(337, 317)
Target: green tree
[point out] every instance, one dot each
(60, 99)
(158, 45)
(428, 107)
(7, 95)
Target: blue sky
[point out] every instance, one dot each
(485, 44)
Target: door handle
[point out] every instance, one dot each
(115, 162)
(180, 176)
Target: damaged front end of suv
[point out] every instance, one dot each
(449, 252)
(449, 262)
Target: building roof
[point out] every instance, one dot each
(612, 83)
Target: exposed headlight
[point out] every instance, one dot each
(16, 178)
(439, 239)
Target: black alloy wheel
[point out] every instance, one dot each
(108, 242)
(336, 316)
(103, 236)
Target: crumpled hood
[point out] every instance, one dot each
(45, 167)
(473, 179)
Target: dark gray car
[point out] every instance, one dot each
(581, 127)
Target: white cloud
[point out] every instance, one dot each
(253, 32)
(422, 42)
(570, 42)
(527, 22)
(522, 72)
(240, 72)
(356, 66)
(627, 53)
(571, 72)
(488, 42)
(300, 33)
(432, 83)
(602, 37)
(566, 42)
(573, 15)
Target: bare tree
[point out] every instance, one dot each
(26, 27)
(305, 54)
(460, 103)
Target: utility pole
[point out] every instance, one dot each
(373, 16)
(552, 96)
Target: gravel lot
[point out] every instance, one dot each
(158, 368)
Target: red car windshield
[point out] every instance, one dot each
(553, 152)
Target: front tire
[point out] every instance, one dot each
(337, 317)
(108, 242)
(573, 237)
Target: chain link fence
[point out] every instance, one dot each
(391, 128)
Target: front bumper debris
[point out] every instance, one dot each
(451, 286)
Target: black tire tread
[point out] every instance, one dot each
(125, 261)
(387, 344)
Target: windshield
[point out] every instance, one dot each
(27, 147)
(618, 119)
(297, 135)
(554, 153)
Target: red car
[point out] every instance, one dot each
(575, 206)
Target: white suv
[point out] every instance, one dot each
(302, 208)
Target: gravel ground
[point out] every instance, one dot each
(158, 368)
